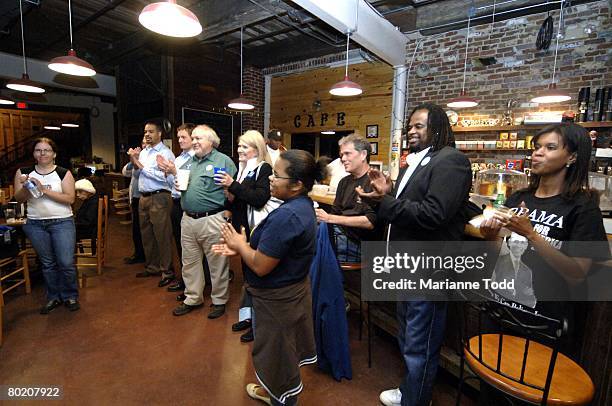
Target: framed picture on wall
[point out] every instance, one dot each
(374, 146)
(372, 131)
(376, 165)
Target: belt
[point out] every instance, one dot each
(147, 194)
(201, 214)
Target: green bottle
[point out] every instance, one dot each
(499, 200)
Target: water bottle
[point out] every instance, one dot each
(33, 189)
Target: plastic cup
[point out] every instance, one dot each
(218, 171)
(182, 177)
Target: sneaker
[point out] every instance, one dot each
(51, 304)
(72, 305)
(391, 397)
(255, 391)
(217, 311)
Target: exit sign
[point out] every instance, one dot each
(22, 105)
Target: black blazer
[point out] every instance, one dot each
(432, 205)
(251, 192)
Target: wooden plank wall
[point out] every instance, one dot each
(16, 125)
(294, 95)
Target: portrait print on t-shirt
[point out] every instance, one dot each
(516, 274)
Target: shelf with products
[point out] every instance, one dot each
(588, 124)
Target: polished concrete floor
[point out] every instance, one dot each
(124, 347)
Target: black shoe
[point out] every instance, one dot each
(133, 260)
(51, 304)
(184, 309)
(176, 286)
(146, 274)
(181, 297)
(241, 325)
(247, 337)
(165, 281)
(72, 305)
(217, 311)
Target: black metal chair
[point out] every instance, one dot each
(522, 358)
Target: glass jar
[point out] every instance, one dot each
(492, 182)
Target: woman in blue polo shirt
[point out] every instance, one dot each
(277, 261)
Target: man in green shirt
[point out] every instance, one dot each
(203, 203)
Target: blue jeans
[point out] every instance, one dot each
(54, 242)
(347, 249)
(421, 332)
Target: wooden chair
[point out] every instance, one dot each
(94, 258)
(523, 360)
(121, 202)
(10, 268)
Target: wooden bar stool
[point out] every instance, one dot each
(523, 360)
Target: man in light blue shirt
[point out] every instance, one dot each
(155, 204)
(183, 135)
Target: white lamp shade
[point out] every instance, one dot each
(240, 103)
(170, 19)
(462, 102)
(52, 127)
(70, 125)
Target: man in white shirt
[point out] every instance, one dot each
(274, 144)
(183, 135)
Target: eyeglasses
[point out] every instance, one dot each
(275, 176)
(43, 151)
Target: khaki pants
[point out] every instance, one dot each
(197, 239)
(156, 230)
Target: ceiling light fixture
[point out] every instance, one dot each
(170, 19)
(52, 127)
(552, 94)
(5, 100)
(71, 64)
(24, 84)
(464, 101)
(241, 102)
(328, 132)
(346, 87)
(70, 125)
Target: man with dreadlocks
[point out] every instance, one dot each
(427, 203)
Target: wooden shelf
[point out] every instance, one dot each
(590, 124)
(496, 150)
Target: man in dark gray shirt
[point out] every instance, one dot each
(351, 219)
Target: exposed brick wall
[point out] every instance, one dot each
(253, 88)
(521, 71)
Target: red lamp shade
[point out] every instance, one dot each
(25, 85)
(551, 95)
(345, 88)
(240, 103)
(463, 101)
(71, 65)
(170, 19)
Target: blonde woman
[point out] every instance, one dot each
(249, 192)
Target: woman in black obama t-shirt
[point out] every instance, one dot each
(557, 213)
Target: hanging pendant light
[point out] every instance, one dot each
(52, 127)
(552, 94)
(24, 84)
(346, 87)
(5, 100)
(464, 101)
(170, 19)
(241, 102)
(70, 125)
(71, 64)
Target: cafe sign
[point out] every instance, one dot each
(320, 119)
